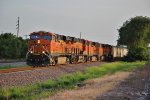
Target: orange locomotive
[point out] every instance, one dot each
(46, 48)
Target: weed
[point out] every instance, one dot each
(68, 81)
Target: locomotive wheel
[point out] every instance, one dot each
(90, 59)
(76, 60)
(52, 62)
(56, 60)
(67, 61)
(85, 59)
(73, 60)
(47, 65)
(97, 58)
(102, 58)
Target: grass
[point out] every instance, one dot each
(10, 66)
(5, 67)
(68, 81)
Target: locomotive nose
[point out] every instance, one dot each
(36, 41)
(40, 47)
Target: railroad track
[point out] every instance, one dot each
(15, 70)
(10, 70)
(29, 75)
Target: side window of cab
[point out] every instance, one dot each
(47, 37)
(54, 38)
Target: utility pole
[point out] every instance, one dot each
(17, 27)
(80, 35)
(26, 36)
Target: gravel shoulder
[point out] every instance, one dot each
(39, 75)
(119, 86)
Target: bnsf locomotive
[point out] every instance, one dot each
(47, 48)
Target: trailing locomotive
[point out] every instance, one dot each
(47, 48)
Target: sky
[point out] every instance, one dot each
(97, 20)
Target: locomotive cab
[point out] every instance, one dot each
(39, 48)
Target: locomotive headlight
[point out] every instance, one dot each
(43, 51)
(38, 41)
(31, 51)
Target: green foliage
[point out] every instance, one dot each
(135, 33)
(68, 81)
(12, 47)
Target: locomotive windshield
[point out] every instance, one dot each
(45, 37)
(34, 36)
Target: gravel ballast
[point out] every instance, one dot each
(39, 75)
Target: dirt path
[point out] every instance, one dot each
(120, 86)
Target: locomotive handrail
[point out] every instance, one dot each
(45, 49)
(47, 52)
(28, 52)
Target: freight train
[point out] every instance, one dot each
(47, 48)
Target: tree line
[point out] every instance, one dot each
(135, 34)
(12, 47)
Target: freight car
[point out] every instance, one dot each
(47, 48)
(118, 52)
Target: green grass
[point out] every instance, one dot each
(68, 81)
(5, 67)
(10, 66)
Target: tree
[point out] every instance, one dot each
(135, 34)
(12, 47)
